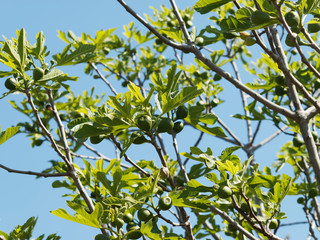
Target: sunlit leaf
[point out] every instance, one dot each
(8, 133)
(205, 6)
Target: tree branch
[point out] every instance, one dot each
(38, 174)
(153, 30)
(226, 217)
(103, 78)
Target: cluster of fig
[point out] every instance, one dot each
(147, 124)
(143, 215)
(14, 83)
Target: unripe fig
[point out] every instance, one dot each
(38, 74)
(292, 18)
(11, 84)
(144, 123)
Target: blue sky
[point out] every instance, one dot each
(23, 196)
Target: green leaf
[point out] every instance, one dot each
(136, 93)
(86, 130)
(195, 186)
(151, 230)
(22, 48)
(266, 181)
(186, 94)
(150, 94)
(39, 49)
(267, 6)
(205, 6)
(244, 12)
(229, 166)
(179, 200)
(76, 122)
(115, 102)
(101, 176)
(81, 216)
(67, 59)
(8, 133)
(233, 24)
(116, 183)
(196, 150)
(53, 74)
(311, 5)
(11, 51)
(228, 151)
(63, 36)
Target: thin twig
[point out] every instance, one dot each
(167, 41)
(45, 175)
(168, 220)
(232, 222)
(181, 22)
(103, 78)
(195, 145)
(163, 161)
(255, 132)
(268, 139)
(313, 44)
(45, 130)
(134, 164)
(244, 102)
(175, 146)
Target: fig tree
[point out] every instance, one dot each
(199, 41)
(279, 91)
(140, 140)
(244, 35)
(301, 200)
(118, 223)
(217, 77)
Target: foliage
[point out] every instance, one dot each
(24, 232)
(159, 91)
